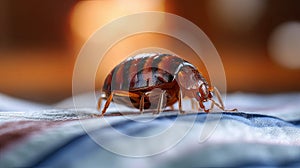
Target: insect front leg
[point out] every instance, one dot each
(217, 93)
(221, 105)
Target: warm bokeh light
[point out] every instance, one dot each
(257, 40)
(284, 45)
(236, 15)
(88, 16)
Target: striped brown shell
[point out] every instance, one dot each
(145, 72)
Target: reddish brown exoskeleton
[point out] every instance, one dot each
(136, 78)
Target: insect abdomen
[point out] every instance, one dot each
(142, 72)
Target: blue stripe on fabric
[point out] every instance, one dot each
(71, 151)
(259, 120)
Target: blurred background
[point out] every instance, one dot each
(258, 41)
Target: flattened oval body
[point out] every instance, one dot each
(142, 73)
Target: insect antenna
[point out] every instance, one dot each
(220, 103)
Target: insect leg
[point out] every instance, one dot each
(211, 106)
(216, 91)
(142, 103)
(160, 102)
(125, 93)
(117, 93)
(180, 102)
(193, 104)
(99, 104)
(107, 102)
(221, 105)
(217, 104)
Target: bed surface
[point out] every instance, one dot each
(265, 132)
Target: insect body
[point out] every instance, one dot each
(138, 78)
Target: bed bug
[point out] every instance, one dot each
(136, 78)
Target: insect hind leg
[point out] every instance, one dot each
(99, 104)
(110, 98)
(107, 103)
